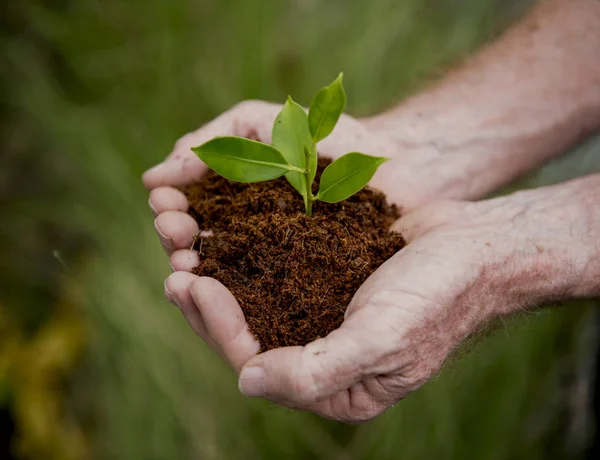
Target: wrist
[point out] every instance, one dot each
(551, 244)
(571, 216)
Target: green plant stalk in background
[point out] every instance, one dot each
(294, 152)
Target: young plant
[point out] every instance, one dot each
(294, 152)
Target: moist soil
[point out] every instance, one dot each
(293, 275)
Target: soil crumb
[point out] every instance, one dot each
(293, 275)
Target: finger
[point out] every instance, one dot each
(176, 230)
(183, 168)
(302, 376)
(429, 217)
(224, 321)
(177, 291)
(167, 199)
(184, 260)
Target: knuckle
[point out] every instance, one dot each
(359, 414)
(416, 377)
(406, 379)
(367, 412)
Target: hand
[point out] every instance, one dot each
(254, 119)
(466, 263)
(415, 174)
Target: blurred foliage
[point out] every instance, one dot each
(96, 91)
(33, 370)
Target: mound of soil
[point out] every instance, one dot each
(293, 275)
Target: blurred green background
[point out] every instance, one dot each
(94, 363)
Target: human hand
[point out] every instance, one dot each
(466, 263)
(415, 174)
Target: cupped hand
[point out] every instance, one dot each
(353, 373)
(409, 179)
(465, 264)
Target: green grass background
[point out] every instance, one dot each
(96, 91)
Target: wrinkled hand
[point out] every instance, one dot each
(399, 179)
(466, 263)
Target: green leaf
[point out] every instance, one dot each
(243, 160)
(347, 175)
(291, 137)
(326, 108)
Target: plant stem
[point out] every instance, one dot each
(309, 207)
(307, 174)
(309, 195)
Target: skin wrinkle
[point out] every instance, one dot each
(387, 388)
(365, 402)
(361, 401)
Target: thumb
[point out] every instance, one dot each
(301, 376)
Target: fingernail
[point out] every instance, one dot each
(170, 296)
(166, 241)
(252, 382)
(154, 211)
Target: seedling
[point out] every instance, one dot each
(294, 152)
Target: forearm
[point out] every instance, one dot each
(522, 100)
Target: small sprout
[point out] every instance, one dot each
(294, 152)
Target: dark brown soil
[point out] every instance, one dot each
(293, 275)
